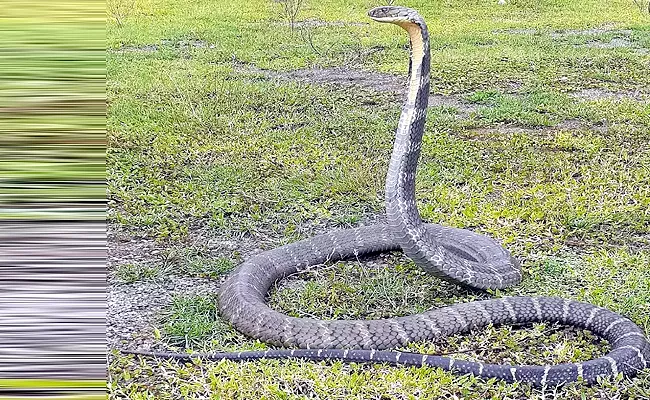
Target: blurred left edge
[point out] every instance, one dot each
(52, 200)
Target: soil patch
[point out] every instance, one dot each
(523, 31)
(186, 44)
(604, 94)
(621, 39)
(133, 308)
(487, 133)
(177, 44)
(464, 108)
(606, 29)
(150, 48)
(339, 76)
(364, 79)
(591, 32)
(612, 44)
(570, 124)
(317, 23)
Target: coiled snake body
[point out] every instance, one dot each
(452, 254)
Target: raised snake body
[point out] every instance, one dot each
(455, 255)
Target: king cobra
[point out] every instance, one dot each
(455, 255)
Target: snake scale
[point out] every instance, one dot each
(456, 255)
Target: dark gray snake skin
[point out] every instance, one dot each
(452, 254)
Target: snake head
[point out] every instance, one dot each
(396, 15)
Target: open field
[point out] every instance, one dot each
(230, 133)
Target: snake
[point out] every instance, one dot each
(456, 255)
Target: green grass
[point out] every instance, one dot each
(193, 319)
(179, 261)
(199, 147)
(129, 273)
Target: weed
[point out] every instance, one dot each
(129, 273)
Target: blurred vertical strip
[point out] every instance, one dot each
(52, 199)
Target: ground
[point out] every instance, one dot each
(229, 133)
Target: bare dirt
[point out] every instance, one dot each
(339, 76)
(487, 133)
(365, 79)
(149, 48)
(177, 44)
(621, 37)
(134, 309)
(604, 94)
(603, 30)
(608, 29)
(612, 44)
(317, 23)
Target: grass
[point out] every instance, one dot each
(200, 147)
(129, 273)
(192, 262)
